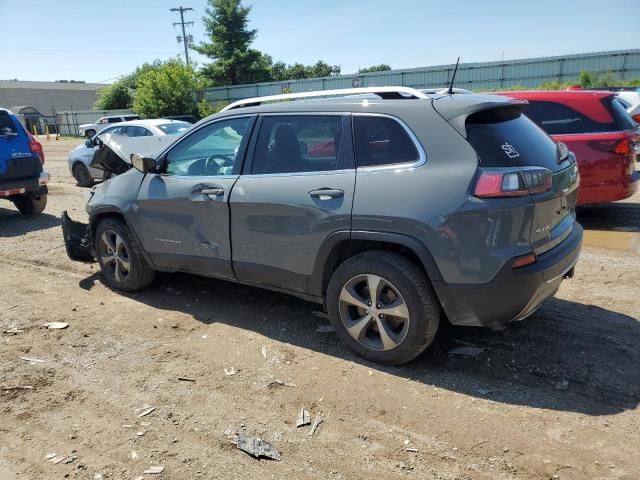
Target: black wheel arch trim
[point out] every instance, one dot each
(316, 280)
(98, 212)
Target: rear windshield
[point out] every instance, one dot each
(7, 127)
(174, 128)
(559, 119)
(504, 137)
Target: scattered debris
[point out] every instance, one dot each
(278, 382)
(254, 446)
(140, 433)
(145, 424)
(411, 449)
(18, 387)
(316, 422)
(406, 442)
(321, 314)
(56, 325)
(70, 459)
(57, 460)
(154, 469)
(33, 361)
(231, 371)
(146, 412)
(186, 379)
(264, 352)
(13, 330)
(134, 455)
(467, 351)
(325, 329)
(562, 384)
(129, 425)
(49, 456)
(505, 449)
(303, 418)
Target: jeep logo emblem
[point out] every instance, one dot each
(510, 150)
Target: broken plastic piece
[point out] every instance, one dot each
(303, 418)
(316, 422)
(256, 447)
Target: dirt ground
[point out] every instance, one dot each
(555, 396)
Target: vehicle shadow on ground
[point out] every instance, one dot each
(568, 356)
(617, 216)
(14, 224)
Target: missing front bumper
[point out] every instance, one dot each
(76, 239)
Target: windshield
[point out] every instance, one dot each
(174, 128)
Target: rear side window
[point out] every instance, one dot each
(504, 137)
(382, 141)
(559, 119)
(298, 143)
(7, 127)
(131, 117)
(136, 131)
(113, 120)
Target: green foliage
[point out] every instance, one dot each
(234, 62)
(169, 89)
(115, 96)
(205, 108)
(383, 67)
(281, 71)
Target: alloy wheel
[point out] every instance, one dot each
(374, 312)
(114, 256)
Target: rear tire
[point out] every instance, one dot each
(28, 205)
(82, 175)
(403, 319)
(120, 257)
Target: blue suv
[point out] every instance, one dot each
(22, 178)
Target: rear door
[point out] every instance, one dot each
(184, 211)
(503, 137)
(296, 190)
(16, 160)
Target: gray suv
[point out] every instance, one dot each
(393, 208)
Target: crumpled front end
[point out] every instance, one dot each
(77, 240)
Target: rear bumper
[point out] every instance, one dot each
(611, 192)
(513, 294)
(35, 185)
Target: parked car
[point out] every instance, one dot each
(456, 206)
(596, 127)
(182, 118)
(22, 178)
(628, 96)
(80, 157)
(90, 129)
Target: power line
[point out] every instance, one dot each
(184, 37)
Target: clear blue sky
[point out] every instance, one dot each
(99, 40)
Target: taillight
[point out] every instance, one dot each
(512, 182)
(619, 147)
(623, 147)
(36, 147)
(524, 260)
(636, 117)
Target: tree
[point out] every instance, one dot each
(115, 96)
(169, 89)
(234, 62)
(383, 67)
(281, 71)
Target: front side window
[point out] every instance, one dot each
(114, 119)
(298, 143)
(212, 150)
(382, 141)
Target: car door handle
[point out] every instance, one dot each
(215, 192)
(326, 193)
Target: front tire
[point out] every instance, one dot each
(28, 205)
(383, 307)
(82, 175)
(89, 133)
(120, 257)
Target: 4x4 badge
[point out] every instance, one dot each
(510, 150)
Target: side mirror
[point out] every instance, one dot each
(88, 143)
(143, 164)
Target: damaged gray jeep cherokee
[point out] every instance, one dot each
(391, 207)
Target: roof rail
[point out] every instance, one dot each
(383, 92)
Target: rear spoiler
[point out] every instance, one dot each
(456, 109)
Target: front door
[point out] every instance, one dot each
(296, 189)
(184, 211)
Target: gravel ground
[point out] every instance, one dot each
(555, 396)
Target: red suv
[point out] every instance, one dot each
(598, 130)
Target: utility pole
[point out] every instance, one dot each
(184, 37)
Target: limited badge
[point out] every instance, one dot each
(510, 150)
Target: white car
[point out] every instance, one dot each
(90, 129)
(80, 157)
